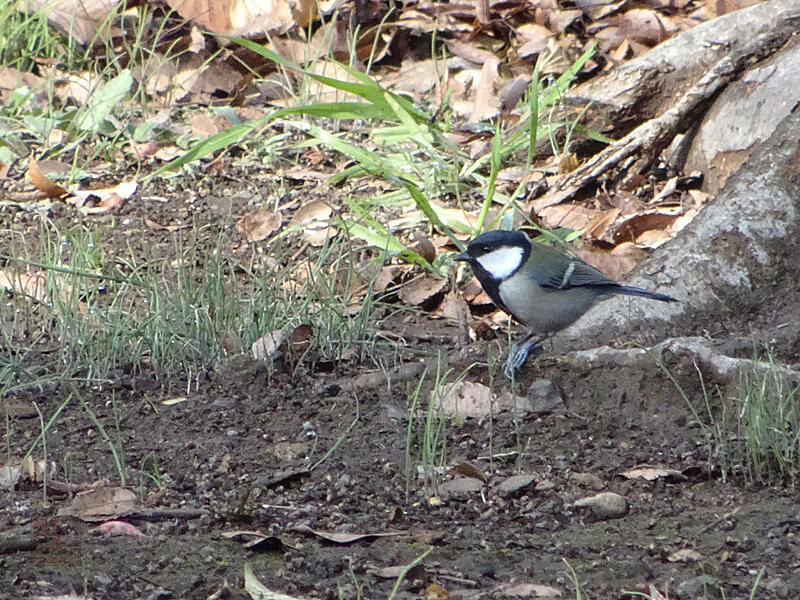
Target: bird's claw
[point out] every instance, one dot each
(519, 352)
(517, 355)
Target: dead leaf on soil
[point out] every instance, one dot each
(290, 451)
(529, 590)
(12, 79)
(304, 174)
(9, 476)
(142, 150)
(203, 125)
(395, 571)
(464, 399)
(467, 469)
(106, 199)
(655, 594)
(299, 341)
(313, 219)
(255, 540)
(31, 284)
(424, 292)
(454, 307)
(653, 473)
(153, 226)
(460, 486)
(415, 77)
(42, 182)
(685, 555)
(81, 20)
(639, 227)
(168, 153)
(534, 39)
(345, 538)
(396, 515)
(100, 504)
(117, 528)
(436, 592)
(258, 224)
(173, 401)
(423, 246)
(258, 591)
(11, 406)
(569, 215)
(285, 478)
(36, 470)
(614, 264)
(246, 18)
(266, 347)
(487, 103)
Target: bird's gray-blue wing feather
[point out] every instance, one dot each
(569, 274)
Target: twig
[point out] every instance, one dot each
(650, 138)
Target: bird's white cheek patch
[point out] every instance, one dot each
(502, 262)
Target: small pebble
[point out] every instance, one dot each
(605, 505)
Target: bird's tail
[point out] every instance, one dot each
(630, 290)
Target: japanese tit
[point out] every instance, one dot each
(540, 286)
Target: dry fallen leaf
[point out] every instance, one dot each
(653, 473)
(464, 399)
(36, 470)
(100, 504)
(685, 555)
(241, 17)
(466, 469)
(487, 102)
(31, 284)
(313, 219)
(108, 204)
(9, 476)
(255, 540)
(460, 486)
(529, 590)
(41, 182)
(258, 591)
(117, 528)
(108, 199)
(424, 292)
(79, 20)
(259, 224)
(344, 538)
(436, 592)
(265, 347)
(153, 226)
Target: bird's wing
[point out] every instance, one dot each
(574, 273)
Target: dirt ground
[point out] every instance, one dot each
(235, 456)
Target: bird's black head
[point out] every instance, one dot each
(496, 255)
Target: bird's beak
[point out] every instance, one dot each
(463, 256)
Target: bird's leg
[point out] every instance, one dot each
(518, 353)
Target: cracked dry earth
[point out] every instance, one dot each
(508, 522)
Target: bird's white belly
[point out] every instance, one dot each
(543, 310)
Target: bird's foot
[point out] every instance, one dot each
(519, 352)
(517, 355)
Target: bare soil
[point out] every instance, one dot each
(235, 456)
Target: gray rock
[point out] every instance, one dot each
(544, 397)
(588, 480)
(605, 505)
(692, 588)
(778, 587)
(516, 485)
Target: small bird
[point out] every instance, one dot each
(540, 286)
